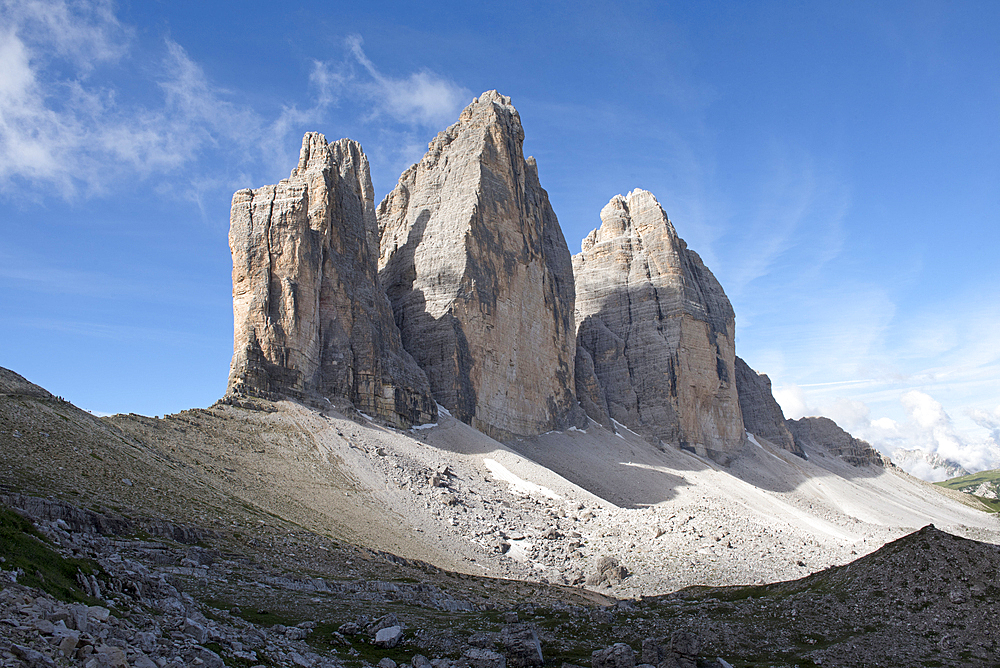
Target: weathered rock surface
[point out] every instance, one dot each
(310, 316)
(480, 277)
(618, 655)
(14, 384)
(659, 330)
(762, 415)
(821, 432)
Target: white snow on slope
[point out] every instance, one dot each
(519, 485)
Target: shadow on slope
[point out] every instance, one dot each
(622, 469)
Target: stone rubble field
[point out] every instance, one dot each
(274, 527)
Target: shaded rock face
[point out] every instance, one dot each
(659, 331)
(480, 277)
(310, 316)
(823, 433)
(762, 415)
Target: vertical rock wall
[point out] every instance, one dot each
(659, 331)
(480, 277)
(762, 415)
(310, 316)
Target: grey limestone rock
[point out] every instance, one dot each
(762, 415)
(823, 433)
(310, 316)
(521, 646)
(659, 330)
(389, 636)
(618, 655)
(480, 277)
(479, 657)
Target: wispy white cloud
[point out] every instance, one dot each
(422, 98)
(59, 125)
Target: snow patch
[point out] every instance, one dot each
(753, 439)
(366, 416)
(429, 425)
(620, 425)
(443, 410)
(518, 485)
(573, 428)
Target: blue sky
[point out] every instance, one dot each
(836, 164)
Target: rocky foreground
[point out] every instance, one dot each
(238, 537)
(105, 592)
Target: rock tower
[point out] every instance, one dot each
(480, 277)
(311, 319)
(658, 332)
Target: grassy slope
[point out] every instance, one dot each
(971, 482)
(23, 547)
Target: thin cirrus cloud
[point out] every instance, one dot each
(61, 125)
(423, 98)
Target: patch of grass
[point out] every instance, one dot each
(22, 546)
(992, 504)
(992, 476)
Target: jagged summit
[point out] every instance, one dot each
(480, 277)
(658, 331)
(310, 316)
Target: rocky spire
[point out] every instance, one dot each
(310, 316)
(658, 330)
(480, 277)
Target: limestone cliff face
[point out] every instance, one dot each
(762, 415)
(480, 277)
(824, 433)
(310, 316)
(659, 330)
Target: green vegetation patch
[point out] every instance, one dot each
(973, 479)
(22, 546)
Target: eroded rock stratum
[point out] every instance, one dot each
(480, 277)
(659, 332)
(311, 319)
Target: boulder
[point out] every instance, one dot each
(480, 277)
(686, 646)
(389, 636)
(311, 319)
(618, 655)
(608, 572)
(479, 657)
(521, 646)
(659, 330)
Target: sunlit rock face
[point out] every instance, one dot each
(311, 319)
(762, 415)
(480, 277)
(659, 332)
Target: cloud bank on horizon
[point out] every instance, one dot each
(814, 206)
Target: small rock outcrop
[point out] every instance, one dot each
(480, 277)
(618, 655)
(762, 415)
(658, 331)
(310, 316)
(823, 433)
